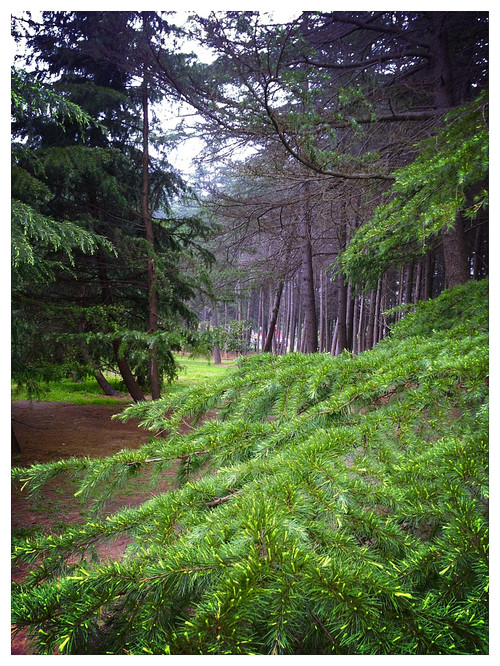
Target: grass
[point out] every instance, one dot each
(192, 371)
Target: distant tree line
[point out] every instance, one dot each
(351, 182)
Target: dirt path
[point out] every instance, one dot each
(49, 431)
(54, 430)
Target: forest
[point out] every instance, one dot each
(310, 196)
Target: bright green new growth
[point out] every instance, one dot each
(335, 506)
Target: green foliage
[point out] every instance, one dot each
(30, 99)
(333, 506)
(76, 191)
(426, 197)
(34, 236)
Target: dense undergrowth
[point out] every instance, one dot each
(334, 506)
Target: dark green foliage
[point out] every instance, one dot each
(335, 506)
(426, 197)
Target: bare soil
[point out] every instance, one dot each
(48, 431)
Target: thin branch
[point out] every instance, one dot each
(220, 500)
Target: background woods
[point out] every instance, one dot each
(351, 179)
(310, 194)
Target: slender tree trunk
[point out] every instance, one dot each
(342, 315)
(361, 322)
(259, 321)
(334, 347)
(104, 384)
(99, 377)
(133, 387)
(368, 344)
(427, 278)
(321, 311)
(154, 373)
(410, 274)
(299, 323)
(215, 325)
(274, 317)
(400, 290)
(129, 380)
(349, 316)
(310, 334)
(418, 282)
(355, 310)
(293, 317)
(328, 323)
(376, 321)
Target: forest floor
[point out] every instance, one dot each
(49, 431)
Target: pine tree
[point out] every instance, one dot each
(97, 176)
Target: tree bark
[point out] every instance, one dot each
(360, 346)
(154, 373)
(368, 343)
(99, 377)
(428, 270)
(129, 380)
(376, 320)
(133, 387)
(214, 320)
(349, 316)
(310, 333)
(456, 265)
(15, 447)
(342, 315)
(274, 318)
(457, 270)
(293, 318)
(354, 338)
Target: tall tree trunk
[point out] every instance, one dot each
(410, 274)
(321, 311)
(457, 270)
(427, 277)
(299, 324)
(334, 347)
(260, 323)
(342, 315)
(418, 282)
(274, 317)
(154, 373)
(377, 321)
(361, 323)
(368, 344)
(354, 339)
(349, 316)
(215, 325)
(293, 318)
(310, 333)
(456, 265)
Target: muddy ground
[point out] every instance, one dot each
(49, 431)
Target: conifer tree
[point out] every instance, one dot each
(98, 176)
